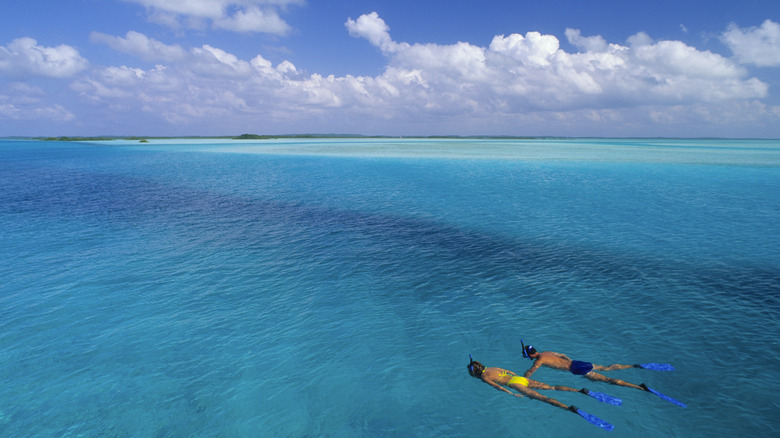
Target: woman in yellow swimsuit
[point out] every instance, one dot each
(499, 378)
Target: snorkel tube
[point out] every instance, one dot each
(527, 350)
(470, 366)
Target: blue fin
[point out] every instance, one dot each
(666, 397)
(592, 419)
(604, 398)
(657, 366)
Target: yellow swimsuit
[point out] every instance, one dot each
(515, 379)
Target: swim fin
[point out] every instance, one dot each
(663, 396)
(604, 398)
(592, 419)
(655, 366)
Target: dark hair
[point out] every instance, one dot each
(475, 368)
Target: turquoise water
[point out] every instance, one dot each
(299, 288)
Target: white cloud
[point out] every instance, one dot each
(122, 76)
(24, 102)
(198, 8)
(216, 63)
(516, 84)
(756, 45)
(31, 92)
(99, 91)
(235, 15)
(640, 39)
(533, 49)
(590, 44)
(140, 45)
(254, 19)
(518, 73)
(24, 57)
(670, 59)
(374, 29)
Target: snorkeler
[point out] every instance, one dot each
(499, 378)
(560, 361)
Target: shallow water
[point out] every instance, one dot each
(336, 287)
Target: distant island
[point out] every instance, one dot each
(140, 139)
(273, 137)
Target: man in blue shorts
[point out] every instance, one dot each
(560, 361)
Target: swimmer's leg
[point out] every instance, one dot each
(613, 367)
(597, 395)
(596, 377)
(530, 393)
(535, 384)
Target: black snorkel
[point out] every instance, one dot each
(527, 351)
(471, 365)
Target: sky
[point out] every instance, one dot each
(603, 68)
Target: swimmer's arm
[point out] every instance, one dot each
(497, 386)
(533, 369)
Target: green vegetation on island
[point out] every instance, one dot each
(252, 137)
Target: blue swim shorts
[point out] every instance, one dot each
(580, 368)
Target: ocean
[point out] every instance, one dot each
(336, 287)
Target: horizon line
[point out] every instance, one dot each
(348, 136)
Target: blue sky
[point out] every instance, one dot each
(225, 67)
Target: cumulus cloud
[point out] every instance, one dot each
(518, 80)
(24, 57)
(374, 29)
(216, 63)
(140, 45)
(532, 49)
(590, 44)
(756, 45)
(234, 15)
(521, 72)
